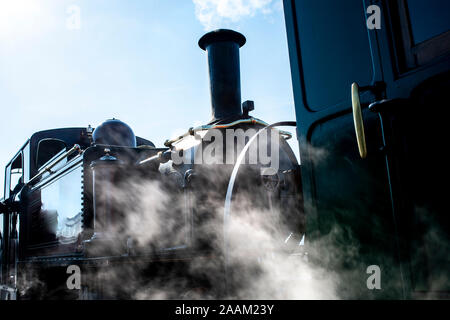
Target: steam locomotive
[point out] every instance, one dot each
(130, 215)
(70, 194)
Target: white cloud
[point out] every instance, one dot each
(214, 13)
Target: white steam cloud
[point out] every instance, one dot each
(215, 13)
(262, 262)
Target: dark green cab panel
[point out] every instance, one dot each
(328, 74)
(386, 209)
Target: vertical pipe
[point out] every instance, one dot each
(222, 47)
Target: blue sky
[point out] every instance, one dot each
(134, 60)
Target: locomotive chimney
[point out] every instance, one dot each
(222, 47)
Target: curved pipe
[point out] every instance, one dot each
(229, 195)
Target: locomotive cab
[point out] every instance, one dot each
(44, 198)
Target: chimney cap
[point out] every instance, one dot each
(220, 35)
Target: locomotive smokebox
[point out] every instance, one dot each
(222, 47)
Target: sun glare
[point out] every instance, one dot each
(20, 18)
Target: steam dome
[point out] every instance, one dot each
(114, 132)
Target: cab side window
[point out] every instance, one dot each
(1, 234)
(428, 19)
(16, 174)
(1, 246)
(422, 29)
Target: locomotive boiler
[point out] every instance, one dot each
(108, 204)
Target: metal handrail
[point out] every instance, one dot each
(48, 168)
